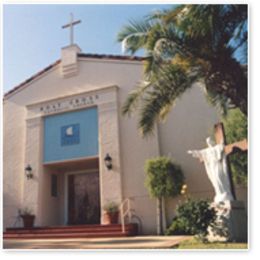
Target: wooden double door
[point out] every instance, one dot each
(83, 198)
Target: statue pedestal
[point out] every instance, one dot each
(232, 222)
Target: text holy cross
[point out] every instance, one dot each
(70, 25)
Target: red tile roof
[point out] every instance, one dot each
(110, 57)
(80, 55)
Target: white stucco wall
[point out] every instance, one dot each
(93, 74)
(186, 128)
(13, 158)
(189, 123)
(51, 206)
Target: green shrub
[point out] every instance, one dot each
(193, 217)
(163, 177)
(177, 228)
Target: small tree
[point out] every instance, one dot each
(163, 179)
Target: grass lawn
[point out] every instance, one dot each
(195, 244)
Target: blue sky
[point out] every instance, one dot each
(33, 38)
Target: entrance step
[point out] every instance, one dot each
(76, 231)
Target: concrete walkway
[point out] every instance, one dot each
(139, 242)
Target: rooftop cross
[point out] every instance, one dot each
(70, 25)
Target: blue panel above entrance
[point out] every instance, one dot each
(71, 135)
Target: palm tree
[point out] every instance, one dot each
(185, 45)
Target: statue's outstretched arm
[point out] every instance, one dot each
(195, 154)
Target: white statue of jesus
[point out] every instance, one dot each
(214, 159)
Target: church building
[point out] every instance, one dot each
(68, 151)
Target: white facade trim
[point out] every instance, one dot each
(86, 99)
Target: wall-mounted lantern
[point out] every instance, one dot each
(28, 172)
(108, 161)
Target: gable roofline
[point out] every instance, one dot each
(36, 75)
(80, 55)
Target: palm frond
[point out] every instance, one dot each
(184, 45)
(133, 36)
(222, 103)
(167, 88)
(134, 97)
(151, 65)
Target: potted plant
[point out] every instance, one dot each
(111, 212)
(27, 217)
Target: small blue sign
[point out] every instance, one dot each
(70, 134)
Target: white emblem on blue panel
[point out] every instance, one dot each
(70, 134)
(69, 131)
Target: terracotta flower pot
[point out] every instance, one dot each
(28, 220)
(112, 217)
